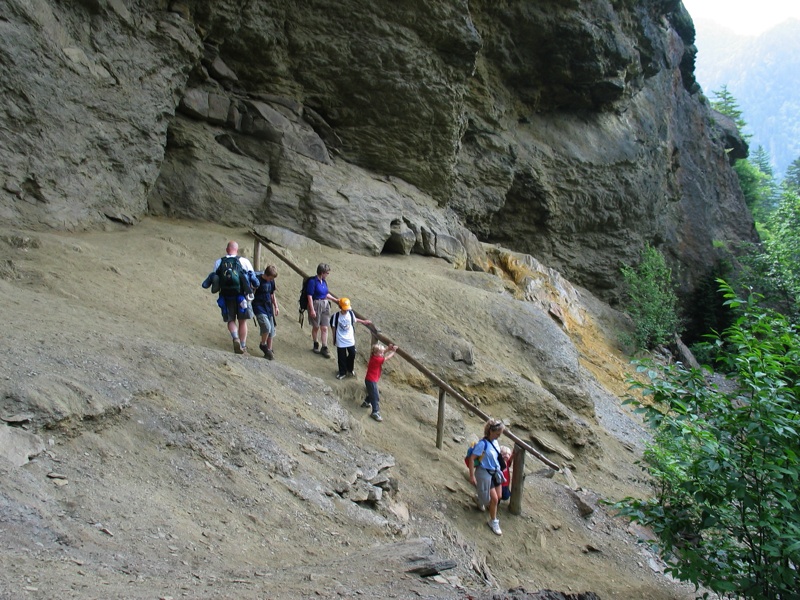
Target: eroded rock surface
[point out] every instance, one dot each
(572, 132)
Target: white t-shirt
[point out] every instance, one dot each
(245, 262)
(346, 331)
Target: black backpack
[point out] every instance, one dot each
(303, 301)
(232, 278)
(304, 294)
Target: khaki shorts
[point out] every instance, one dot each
(323, 310)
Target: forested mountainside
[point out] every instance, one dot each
(571, 131)
(763, 74)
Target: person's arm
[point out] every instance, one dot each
(331, 297)
(362, 321)
(474, 457)
(391, 352)
(274, 303)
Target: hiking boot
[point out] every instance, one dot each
(324, 352)
(269, 354)
(377, 416)
(237, 347)
(494, 525)
(315, 349)
(340, 376)
(243, 351)
(263, 348)
(366, 404)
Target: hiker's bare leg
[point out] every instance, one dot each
(314, 333)
(323, 336)
(494, 500)
(243, 332)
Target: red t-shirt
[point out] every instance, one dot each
(374, 368)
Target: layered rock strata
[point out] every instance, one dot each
(574, 132)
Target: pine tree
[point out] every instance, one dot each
(792, 179)
(761, 159)
(725, 103)
(768, 191)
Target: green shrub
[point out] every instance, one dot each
(650, 300)
(726, 462)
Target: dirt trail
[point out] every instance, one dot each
(175, 468)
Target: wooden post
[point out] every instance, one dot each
(257, 255)
(517, 481)
(440, 420)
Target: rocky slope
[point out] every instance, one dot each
(141, 458)
(571, 131)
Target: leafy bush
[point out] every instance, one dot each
(783, 245)
(650, 299)
(726, 462)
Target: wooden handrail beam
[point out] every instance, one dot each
(443, 385)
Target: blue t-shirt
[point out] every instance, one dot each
(262, 300)
(489, 460)
(317, 288)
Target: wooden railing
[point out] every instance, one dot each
(521, 447)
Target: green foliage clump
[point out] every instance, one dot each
(792, 180)
(773, 267)
(783, 245)
(651, 300)
(725, 461)
(758, 185)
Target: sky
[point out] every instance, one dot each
(746, 17)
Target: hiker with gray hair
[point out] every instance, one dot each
(319, 309)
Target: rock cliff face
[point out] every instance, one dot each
(573, 131)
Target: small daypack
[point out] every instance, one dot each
(469, 455)
(232, 278)
(303, 301)
(501, 461)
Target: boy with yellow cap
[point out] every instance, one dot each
(343, 325)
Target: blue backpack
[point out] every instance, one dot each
(470, 452)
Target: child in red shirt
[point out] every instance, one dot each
(508, 456)
(374, 369)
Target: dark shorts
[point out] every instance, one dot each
(233, 308)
